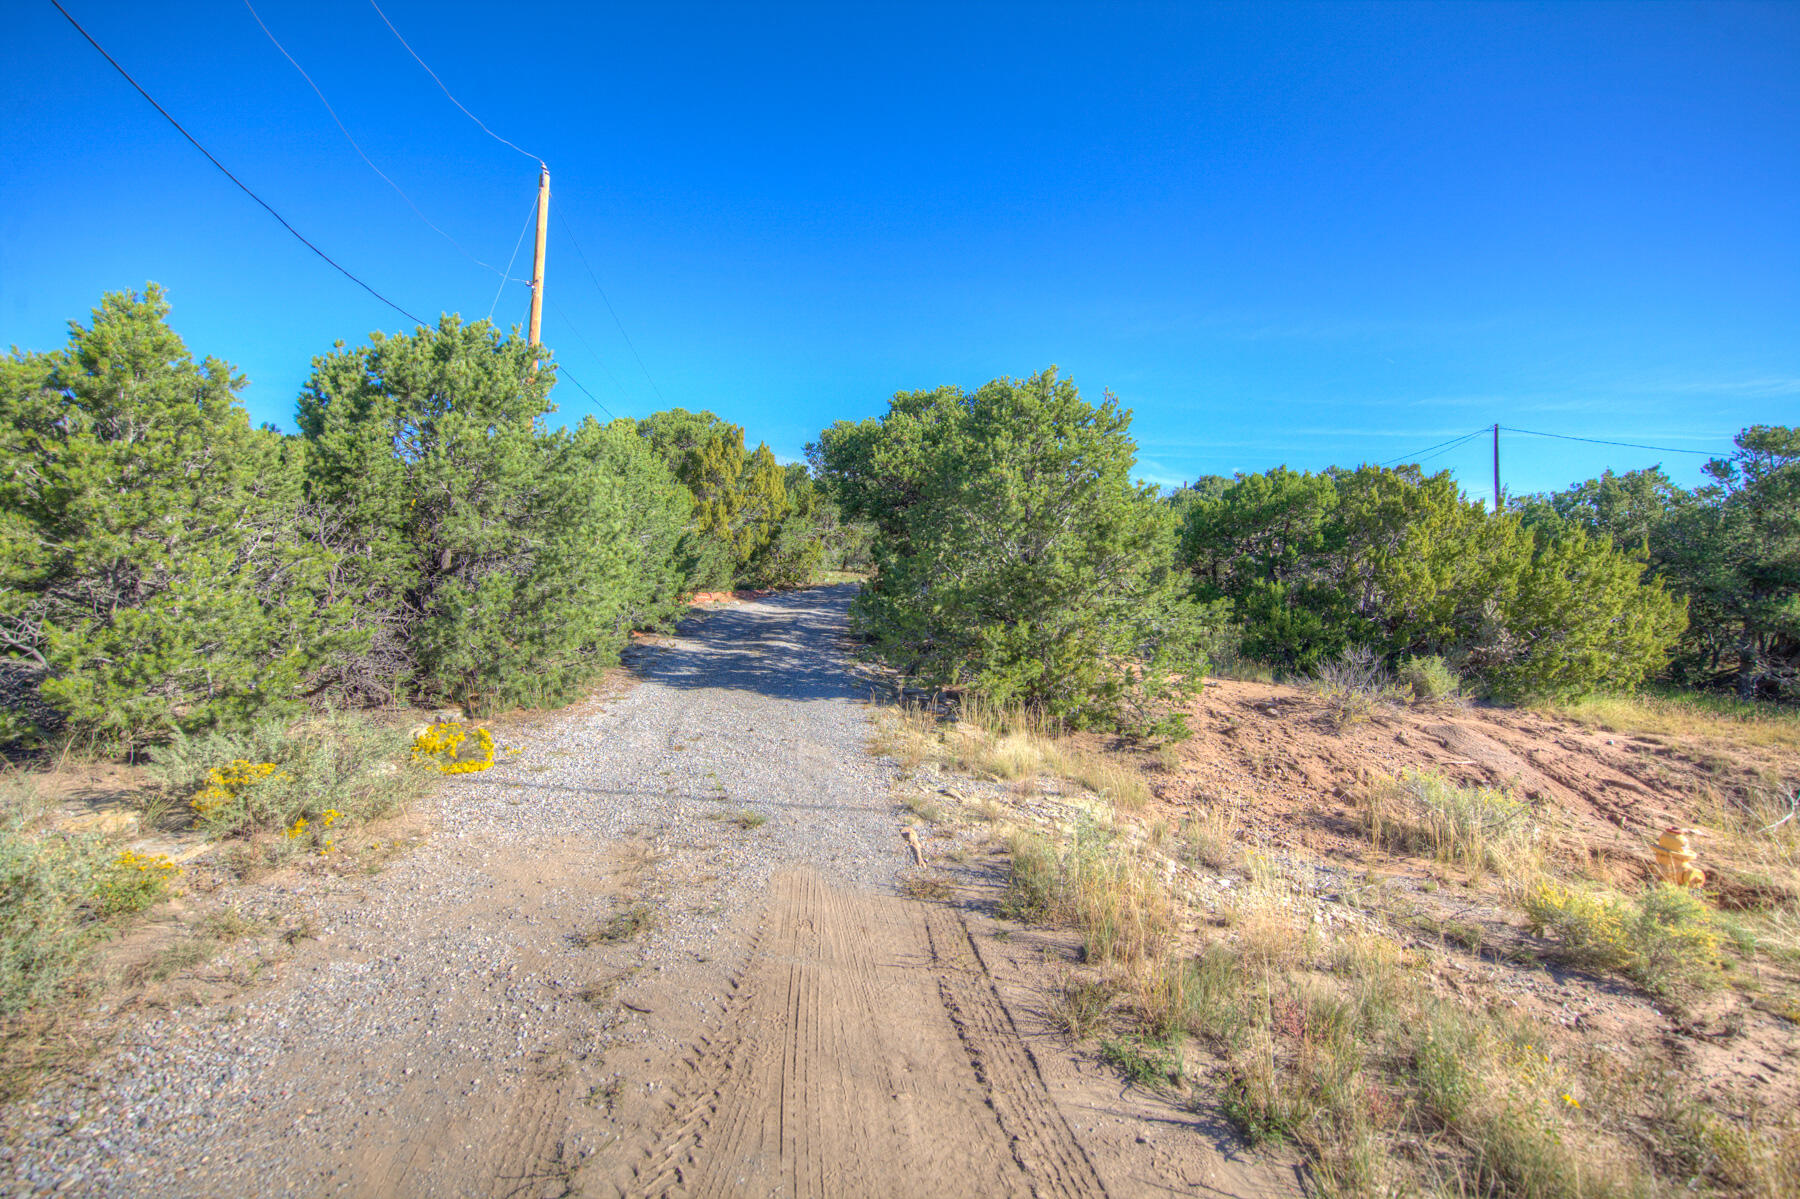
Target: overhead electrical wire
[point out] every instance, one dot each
(1630, 445)
(562, 372)
(507, 273)
(554, 307)
(609, 308)
(1422, 459)
(1442, 445)
(361, 153)
(265, 205)
(445, 90)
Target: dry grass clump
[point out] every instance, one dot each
(1004, 745)
(1080, 1007)
(1120, 784)
(1476, 829)
(1351, 684)
(1341, 1043)
(744, 818)
(1344, 1052)
(1690, 715)
(1210, 837)
(1760, 833)
(929, 887)
(1099, 884)
(625, 925)
(925, 808)
(1756, 1154)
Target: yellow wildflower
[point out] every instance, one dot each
(441, 744)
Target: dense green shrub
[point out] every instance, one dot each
(1428, 677)
(166, 569)
(1399, 563)
(1015, 556)
(739, 496)
(1731, 547)
(795, 551)
(655, 507)
(1665, 939)
(500, 556)
(154, 572)
(46, 883)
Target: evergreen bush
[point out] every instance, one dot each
(154, 575)
(1400, 564)
(501, 555)
(1015, 556)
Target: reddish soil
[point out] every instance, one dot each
(1274, 757)
(1275, 754)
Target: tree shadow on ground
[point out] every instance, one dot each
(793, 645)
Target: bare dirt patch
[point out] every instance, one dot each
(1299, 954)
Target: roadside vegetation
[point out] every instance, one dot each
(253, 620)
(425, 537)
(1396, 1025)
(1014, 556)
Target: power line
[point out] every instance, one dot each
(222, 168)
(621, 324)
(554, 307)
(360, 151)
(1424, 458)
(1442, 445)
(506, 275)
(445, 90)
(563, 373)
(1630, 445)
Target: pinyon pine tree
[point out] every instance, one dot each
(497, 550)
(1014, 554)
(150, 574)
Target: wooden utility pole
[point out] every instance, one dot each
(1496, 427)
(537, 260)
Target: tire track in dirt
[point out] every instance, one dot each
(1041, 1142)
(864, 1052)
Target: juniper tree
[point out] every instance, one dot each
(1400, 563)
(152, 574)
(739, 496)
(492, 545)
(1015, 555)
(1731, 547)
(655, 507)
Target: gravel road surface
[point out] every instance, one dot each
(659, 952)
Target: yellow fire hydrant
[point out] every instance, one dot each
(1675, 860)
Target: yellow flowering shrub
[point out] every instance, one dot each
(443, 745)
(225, 784)
(1665, 939)
(314, 833)
(132, 882)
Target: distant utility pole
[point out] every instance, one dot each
(1496, 423)
(537, 260)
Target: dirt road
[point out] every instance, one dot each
(660, 952)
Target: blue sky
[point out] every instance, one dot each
(1302, 234)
